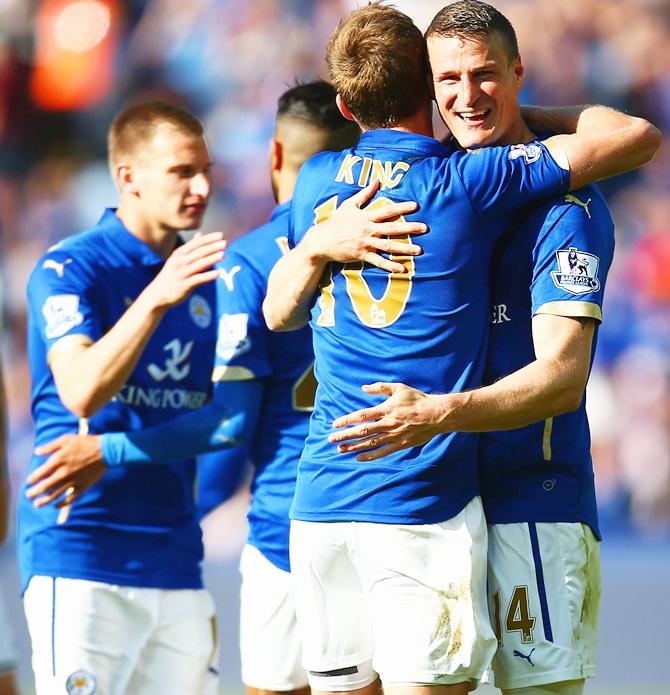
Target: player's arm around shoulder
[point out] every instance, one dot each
(603, 142)
(88, 370)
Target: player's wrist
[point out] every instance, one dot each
(312, 248)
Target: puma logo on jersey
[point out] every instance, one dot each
(521, 655)
(228, 276)
(174, 364)
(59, 268)
(569, 198)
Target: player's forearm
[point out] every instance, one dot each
(227, 421)
(90, 378)
(292, 284)
(542, 389)
(605, 143)
(555, 119)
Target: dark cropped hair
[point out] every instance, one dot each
(472, 19)
(312, 102)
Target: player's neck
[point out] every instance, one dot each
(519, 133)
(420, 123)
(160, 240)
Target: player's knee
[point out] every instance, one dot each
(562, 688)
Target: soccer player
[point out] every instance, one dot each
(400, 592)
(537, 481)
(7, 655)
(112, 585)
(263, 394)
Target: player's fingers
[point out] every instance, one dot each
(358, 432)
(71, 494)
(380, 387)
(51, 496)
(398, 228)
(361, 445)
(392, 210)
(379, 453)
(397, 248)
(197, 265)
(359, 199)
(203, 278)
(357, 417)
(53, 445)
(196, 254)
(45, 470)
(384, 263)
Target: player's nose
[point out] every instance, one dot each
(201, 185)
(468, 92)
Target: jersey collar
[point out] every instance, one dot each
(389, 139)
(133, 247)
(281, 209)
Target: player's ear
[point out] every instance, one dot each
(343, 108)
(124, 177)
(518, 71)
(276, 155)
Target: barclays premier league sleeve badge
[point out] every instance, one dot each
(577, 271)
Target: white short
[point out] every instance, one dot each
(270, 647)
(403, 601)
(7, 653)
(544, 598)
(93, 637)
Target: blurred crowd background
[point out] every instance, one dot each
(66, 67)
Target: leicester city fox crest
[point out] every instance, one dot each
(577, 271)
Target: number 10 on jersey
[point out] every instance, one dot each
(372, 311)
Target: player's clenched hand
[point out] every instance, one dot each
(75, 463)
(188, 266)
(357, 233)
(407, 418)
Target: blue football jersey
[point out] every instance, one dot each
(555, 263)
(137, 526)
(247, 349)
(426, 327)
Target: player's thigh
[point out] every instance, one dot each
(331, 607)
(270, 644)
(428, 599)
(181, 655)
(544, 596)
(84, 634)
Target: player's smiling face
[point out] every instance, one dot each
(172, 174)
(476, 86)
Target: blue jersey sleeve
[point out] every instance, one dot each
(572, 256)
(242, 338)
(503, 180)
(61, 295)
(228, 420)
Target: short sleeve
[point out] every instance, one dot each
(572, 257)
(503, 180)
(242, 337)
(61, 299)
